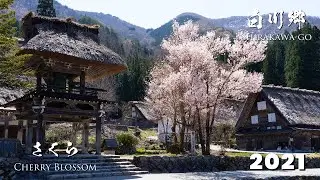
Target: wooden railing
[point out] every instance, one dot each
(71, 90)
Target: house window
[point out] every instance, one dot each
(254, 119)
(262, 105)
(279, 127)
(271, 117)
(268, 128)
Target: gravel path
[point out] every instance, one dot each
(226, 175)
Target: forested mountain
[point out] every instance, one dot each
(131, 84)
(205, 24)
(288, 63)
(230, 25)
(154, 36)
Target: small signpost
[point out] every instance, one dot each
(193, 142)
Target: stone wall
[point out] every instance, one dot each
(7, 167)
(181, 164)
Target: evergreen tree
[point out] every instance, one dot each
(294, 65)
(132, 83)
(311, 58)
(10, 64)
(46, 8)
(90, 21)
(303, 60)
(273, 65)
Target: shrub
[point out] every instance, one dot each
(59, 132)
(224, 135)
(174, 149)
(62, 145)
(153, 147)
(127, 143)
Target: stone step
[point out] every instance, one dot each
(108, 166)
(78, 156)
(92, 175)
(72, 160)
(115, 169)
(113, 163)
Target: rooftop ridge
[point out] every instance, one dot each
(290, 89)
(62, 20)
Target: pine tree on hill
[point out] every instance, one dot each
(11, 64)
(294, 65)
(45, 8)
(303, 60)
(273, 65)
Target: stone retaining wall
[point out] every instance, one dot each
(6, 167)
(181, 164)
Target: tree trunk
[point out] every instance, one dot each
(208, 139)
(183, 126)
(174, 125)
(200, 132)
(208, 132)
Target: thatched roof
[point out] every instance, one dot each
(145, 110)
(299, 107)
(66, 40)
(235, 106)
(7, 95)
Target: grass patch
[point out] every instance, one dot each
(143, 151)
(148, 132)
(246, 154)
(145, 133)
(238, 154)
(314, 155)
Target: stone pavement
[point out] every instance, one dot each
(226, 175)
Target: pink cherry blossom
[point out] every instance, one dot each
(192, 80)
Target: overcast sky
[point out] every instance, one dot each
(154, 13)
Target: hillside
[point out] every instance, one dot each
(228, 25)
(205, 24)
(155, 36)
(123, 28)
(237, 23)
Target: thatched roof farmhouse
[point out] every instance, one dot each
(280, 117)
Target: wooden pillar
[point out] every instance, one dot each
(6, 128)
(70, 84)
(39, 81)
(40, 134)
(20, 131)
(85, 135)
(82, 82)
(43, 131)
(99, 121)
(193, 142)
(98, 135)
(74, 134)
(29, 136)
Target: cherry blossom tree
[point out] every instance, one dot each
(193, 84)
